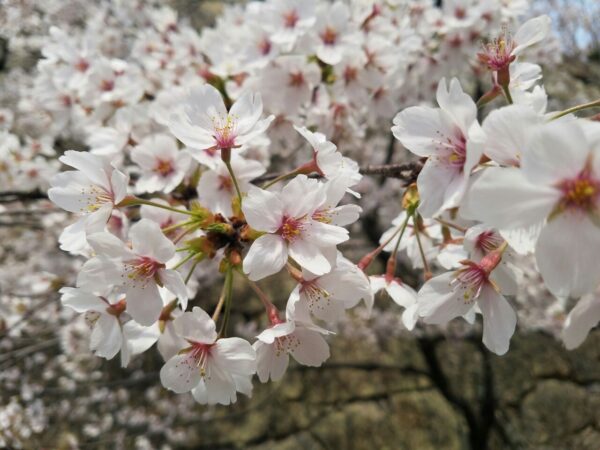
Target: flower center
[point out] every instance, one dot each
(199, 354)
(316, 295)
(96, 198)
(296, 79)
(470, 279)
(497, 55)
(224, 132)
(488, 241)
(291, 228)
(107, 85)
(290, 18)
(286, 344)
(581, 192)
(264, 46)
(164, 167)
(142, 269)
(329, 36)
(225, 183)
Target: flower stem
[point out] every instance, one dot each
(506, 90)
(594, 104)
(428, 274)
(370, 257)
(189, 275)
(141, 201)
(228, 289)
(234, 179)
(177, 225)
(281, 177)
(183, 261)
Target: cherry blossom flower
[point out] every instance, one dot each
(501, 52)
(163, 165)
(452, 140)
(213, 369)
(296, 336)
(92, 191)
(327, 161)
(290, 229)
(140, 270)
(327, 296)
(203, 122)
(112, 330)
(454, 294)
(402, 294)
(215, 188)
(555, 193)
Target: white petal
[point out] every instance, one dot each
(499, 320)
(81, 301)
(267, 255)
(568, 255)
(180, 373)
(173, 281)
(438, 303)
(196, 326)
(531, 32)
(309, 256)
(263, 210)
(312, 349)
(271, 364)
(582, 318)
(148, 240)
(505, 199)
(144, 303)
(106, 337)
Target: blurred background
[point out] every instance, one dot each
(383, 388)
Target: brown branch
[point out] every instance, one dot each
(407, 172)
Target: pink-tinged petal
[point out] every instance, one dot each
(219, 384)
(267, 255)
(377, 283)
(137, 339)
(312, 349)
(582, 318)
(309, 256)
(96, 221)
(263, 210)
(410, 316)
(73, 238)
(196, 326)
(438, 303)
(271, 363)
(71, 191)
(148, 240)
(144, 303)
(555, 152)
(107, 244)
(523, 240)
(99, 275)
(269, 335)
(169, 343)
(499, 320)
(302, 196)
(505, 199)
(323, 234)
(568, 255)
(235, 355)
(246, 110)
(507, 131)
(457, 104)
(119, 182)
(173, 281)
(402, 294)
(106, 339)
(434, 181)
(180, 373)
(94, 167)
(531, 32)
(421, 129)
(81, 301)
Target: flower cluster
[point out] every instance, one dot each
(237, 152)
